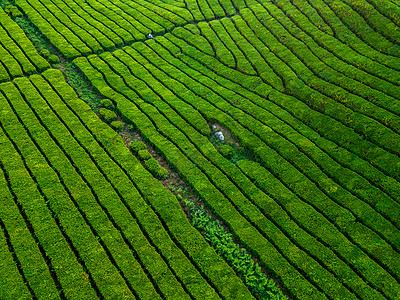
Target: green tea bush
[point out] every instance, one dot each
(161, 173)
(136, 146)
(227, 151)
(152, 165)
(108, 115)
(54, 59)
(173, 218)
(144, 154)
(45, 53)
(107, 103)
(13, 11)
(116, 125)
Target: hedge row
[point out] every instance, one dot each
(388, 210)
(198, 162)
(242, 80)
(368, 58)
(197, 179)
(11, 55)
(374, 28)
(82, 28)
(366, 208)
(11, 276)
(289, 109)
(102, 67)
(197, 286)
(62, 38)
(97, 20)
(134, 257)
(377, 198)
(372, 110)
(39, 217)
(375, 124)
(121, 212)
(388, 9)
(265, 180)
(176, 7)
(221, 51)
(18, 56)
(93, 33)
(363, 148)
(338, 71)
(166, 208)
(81, 217)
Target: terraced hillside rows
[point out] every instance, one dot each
(83, 217)
(17, 54)
(283, 116)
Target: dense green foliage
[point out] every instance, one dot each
(117, 125)
(107, 103)
(238, 258)
(227, 151)
(17, 54)
(68, 175)
(323, 123)
(136, 146)
(108, 115)
(144, 154)
(283, 116)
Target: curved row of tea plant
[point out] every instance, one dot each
(99, 224)
(80, 28)
(265, 79)
(309, 88)
(17, 54)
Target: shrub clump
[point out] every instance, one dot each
(13, 11)
(116, 125)
(137, 145)
(227, 151)
(108, 115)
(107, 103)
(161, 173)
(144, 154)
(54, 59)
(45, 53)
(154, 167)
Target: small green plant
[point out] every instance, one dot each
(45, 53)
(54, 59)
(137, 145)
(161, 173)
(107, 103)
(117, 125)
(13, 11)
(227, 151)
(152, 165)
(144, 154)
(108, 115)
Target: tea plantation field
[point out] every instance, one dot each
(200, 149)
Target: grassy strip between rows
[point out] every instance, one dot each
(240, 260)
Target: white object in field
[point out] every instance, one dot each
(220, 135)
(151, 36)
(214, 127)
